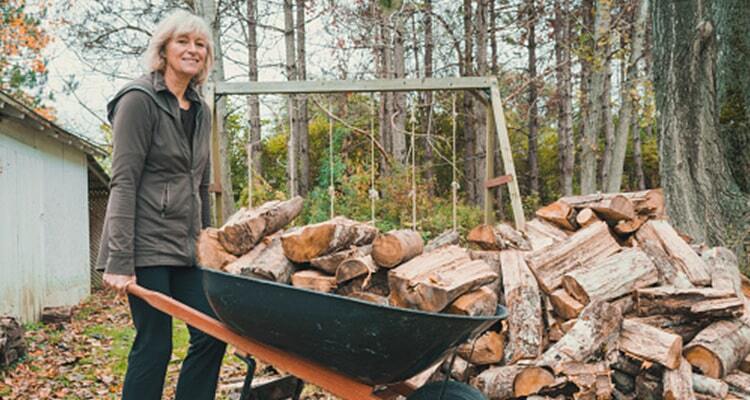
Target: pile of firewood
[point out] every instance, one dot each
(12, 345)
(605, 299)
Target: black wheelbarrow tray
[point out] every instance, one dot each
(343, 345)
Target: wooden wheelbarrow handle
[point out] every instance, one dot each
(319, 375)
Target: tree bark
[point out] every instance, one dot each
(400, 111)
(481, 149)
(566, 149)
(533, 106)
(469, 125)
(427, 96)
(628, 98)
(703, 194)
(291, 75)
(595, 96)
(302, 120)
(605, 119)
(253, 147)
(646, 342)
(525, 325)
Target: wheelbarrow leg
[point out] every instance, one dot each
(247, 387)
(298, 389)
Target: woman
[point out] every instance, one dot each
(158, 203)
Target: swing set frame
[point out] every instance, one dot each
(486, 89)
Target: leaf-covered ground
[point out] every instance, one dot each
(87, 358)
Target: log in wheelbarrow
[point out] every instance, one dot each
(351, 348)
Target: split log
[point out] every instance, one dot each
(597, 326)
(532, 380)
(560, 214)
(555, 332)
(247, 227)
(492, 258)
(542, 234)
(370, 297)
(486, 349)
(720, 347)
(355, 267)
(646, 202)
(681, 325)
(615, 276)
(682, 254)
(314, 280)
(396, 247)
(433, 280)
(498, 237)
(614, 209)
(586, 217)
(325, 238)
(592, 379)
(624, 303)
(628, 226)
(525, 325)
(710, 386)
(647, 342)
(678, 383)
(330, 262)
(565, 305)
(209, 251)
(461, 370)
(568, 325)
(497, 382)
(12, 345)
(669, 273)
(482, 301)
(57, 315)
(265, 261)
(725, 273)
(694, 302)
(444, 239)
(376, 284)
(739, 384)
(586, 246)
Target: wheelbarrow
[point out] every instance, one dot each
(346, 346)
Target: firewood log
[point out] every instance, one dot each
(719, 348)
(482, 301)
(498, 237)
(376, 283)
(586, 246)
(681, 325)
(433, 280)
(209, 252)
(461, 370)
(565, 305)
(646, 202)
(497, 382)
(525, 325)
(669, 273)
(614, 209)
(694, 302)
(586, 217)
(725, 273)
(354, 267)
(444, 239)
(560, 214)
(612, 277)
(12, 345)
(745, 364)
(395, 247)
(542, 234)
(592, 379)
(330, 262)
(314, 280)
(624, 303)
(678, 383)
(325, 238)
(739, 384)
(684, 256)
(492, 258)
(597, 325)
(710, 386)
(370, 297)
(647, 342)
(57, 315)
(628, 226)
(648, 387)
(265, 261)
(247, 227)
(486, 349)
(532, 380)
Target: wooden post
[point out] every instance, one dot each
(215, 164)
(507, 155)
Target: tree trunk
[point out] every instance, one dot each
(564, 100)
(595, 96)
(607, 125)
(302, 120)
(635, 130)
(253, 147)
(481, 149)
(704, 196)
(533, 108)
(400, 111)
(291, 75)
(469, 125)
(427, 96)
(629, 98)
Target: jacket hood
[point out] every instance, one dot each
(153, 85)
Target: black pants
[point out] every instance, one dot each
(152, 348)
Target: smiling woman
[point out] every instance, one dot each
(159, 202)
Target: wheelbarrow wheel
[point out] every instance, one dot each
(450, 390)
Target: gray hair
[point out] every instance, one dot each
(177, 23)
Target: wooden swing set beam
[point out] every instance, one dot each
(489, 92)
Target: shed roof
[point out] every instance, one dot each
(12, 108)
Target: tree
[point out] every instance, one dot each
(253, 145)
(564, 96)
(701, 99)
(302, 119)
(531, 14)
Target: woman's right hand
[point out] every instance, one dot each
(117, 282)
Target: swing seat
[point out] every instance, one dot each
(368, 342)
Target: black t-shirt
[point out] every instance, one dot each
(188, 123)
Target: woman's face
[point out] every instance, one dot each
(186, 54)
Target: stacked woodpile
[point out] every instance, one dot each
(12, 345)
(605, 298)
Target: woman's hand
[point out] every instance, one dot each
(117, 282)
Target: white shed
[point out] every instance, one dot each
(44, 212)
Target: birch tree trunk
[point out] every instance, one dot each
(253, 147)
(704, 198)
(564, 91)
(291, 75)
(598, 75)
(629, 98)
(533, 108)
(302, 120)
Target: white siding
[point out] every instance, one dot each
(44, 252)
